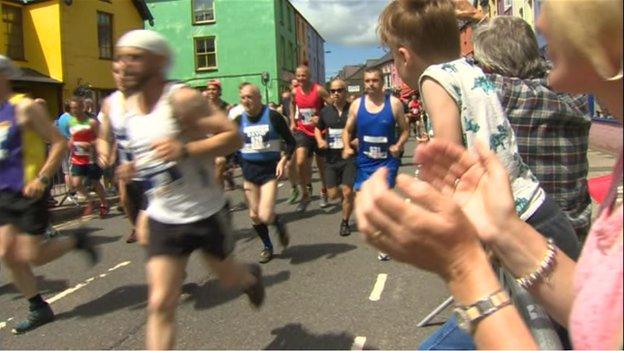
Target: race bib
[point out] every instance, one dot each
(4, 136)
(163, 183)
(377, 147)
(306, 115)
(334, 138)
(256, 135)
(81, 151)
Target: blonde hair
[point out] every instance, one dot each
(591, 28)
(428, 27)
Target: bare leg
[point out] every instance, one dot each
(303, 172)
(230, 272)
(21, 274)
(220, 168)
(348, 198)
(164, 275)
(266, 207)
(320, 164)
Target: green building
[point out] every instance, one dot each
(230, 40)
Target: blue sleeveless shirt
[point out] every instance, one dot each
(376, 132)
(262, 143)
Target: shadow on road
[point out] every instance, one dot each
(45, 287)
(97, 239)
(211, 294)
(133, 297)
(295, 337)
(305, 253)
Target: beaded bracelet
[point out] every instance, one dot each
(543, 269)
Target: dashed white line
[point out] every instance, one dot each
(378, 288)
(358, 343)
(69, 291)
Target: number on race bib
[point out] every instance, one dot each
(257, 142)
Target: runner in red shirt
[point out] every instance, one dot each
(306, 104)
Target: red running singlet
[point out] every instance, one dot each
(308, 105)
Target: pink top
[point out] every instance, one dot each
(596, 317)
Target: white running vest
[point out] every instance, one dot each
(177, 192)
(117, 118)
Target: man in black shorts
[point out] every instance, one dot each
(262, 163)
(338, 171)
(25, 173)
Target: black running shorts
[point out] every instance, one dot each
(30, 216)
(212, 235)
(308, 142)
(258, 173)
(136, 199)
(341, 172)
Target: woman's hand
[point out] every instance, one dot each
(478, 183)
(426, 229)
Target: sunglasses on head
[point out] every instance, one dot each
(334, 91)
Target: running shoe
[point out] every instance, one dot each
(303, 205)
(255, 292)
(345, 230)
(35, 319)
(282, 233)
(103, 210)
(50, 232)
(266, 255)
(324, 200)
(294, 195)
(132, 238)
(383, 256)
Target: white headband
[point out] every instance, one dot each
(147, 40)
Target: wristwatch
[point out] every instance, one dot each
(44, 180)
(469, 316)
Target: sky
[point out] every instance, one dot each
(348, 26)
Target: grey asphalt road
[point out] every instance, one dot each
(318, 293)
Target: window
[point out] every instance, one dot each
(205, 54)
(13, 31)
(105, 35)
(203, 11)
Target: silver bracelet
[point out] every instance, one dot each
(543, 269)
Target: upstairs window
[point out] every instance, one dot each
(205, 54)
(13, 31)
(105, 35)
(203, 11)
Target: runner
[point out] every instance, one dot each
(338, 171)
(262, 164)
(222, 171)
(25, 175)
(167, 127)
(112, 148)
(62, 123)
(375, 116)
(83, 131)
(305, 109)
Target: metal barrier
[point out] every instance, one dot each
(59, 191)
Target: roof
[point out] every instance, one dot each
(30, 75)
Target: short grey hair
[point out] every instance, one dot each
(507, 46)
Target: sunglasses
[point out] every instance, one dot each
(334, 91)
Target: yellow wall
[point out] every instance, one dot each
(42, 44)
(81, 62)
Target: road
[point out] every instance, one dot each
(323, 292)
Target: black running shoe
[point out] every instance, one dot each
(84, 243)
(255, 292)
(345, 230)
(303, 205)
(282, 233)
(266, 255)
(35, 319)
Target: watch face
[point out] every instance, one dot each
(463, 321)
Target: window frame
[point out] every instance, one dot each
(111, 35)
(195, 54)
(22, 56)
(195, 22)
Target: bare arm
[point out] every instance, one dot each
(36, 118)
(442, 111)
(349, 128)
(324, 94)
(399, 116)
(292, 110)
(198, 120)
(104, 144)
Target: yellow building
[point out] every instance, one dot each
(63, 44)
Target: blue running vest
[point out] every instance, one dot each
(261, 141)
(375, 132)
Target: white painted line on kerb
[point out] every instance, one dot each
(378, 288)
(69, 291)
(358, 343)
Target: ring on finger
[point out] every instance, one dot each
(376, 235)
(456, 182)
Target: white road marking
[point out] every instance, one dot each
(69, 291)
(358, 343)
(378, 288)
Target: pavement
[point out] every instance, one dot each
(323, 292)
